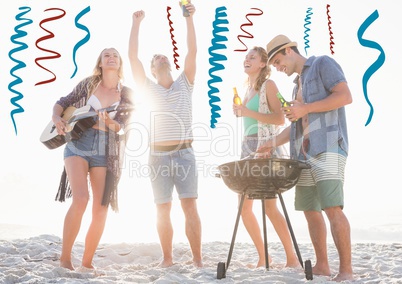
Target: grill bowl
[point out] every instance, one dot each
(261, 178)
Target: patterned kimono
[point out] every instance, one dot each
(115, 152)
(268, 131)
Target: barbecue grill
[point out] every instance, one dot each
(262, 179)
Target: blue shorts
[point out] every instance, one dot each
(249, 145)
(173, 169)
(91, 146)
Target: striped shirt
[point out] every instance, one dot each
(171, 113)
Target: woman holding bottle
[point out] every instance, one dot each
(262, 116)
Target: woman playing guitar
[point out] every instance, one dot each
(96, 151)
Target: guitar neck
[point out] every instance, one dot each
(90, 113)
(108, 109)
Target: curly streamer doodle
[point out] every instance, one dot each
(19, 34)
(331, 42)
(217, 44)
(376, 65)
(48, 36)
(307, 29)
(250, 23)
(175, 54)
(82, 41)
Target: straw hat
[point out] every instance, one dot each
(278, 43)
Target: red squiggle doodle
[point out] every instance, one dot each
(175, 54)
(49, 36)
(331, 42)
(250, 23)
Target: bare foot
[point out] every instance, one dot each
(198, 263)
(261, 262)
(324, 271)
(165, 263)
(294, 263)
(342, 277)
(67, 264)
(90, 270)
(83, 269)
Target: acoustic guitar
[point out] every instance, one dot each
(78, 120)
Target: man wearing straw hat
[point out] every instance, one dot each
(317, 135)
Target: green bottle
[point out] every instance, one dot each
(284, 103)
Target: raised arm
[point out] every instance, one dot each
(137, 68)
(190, 60)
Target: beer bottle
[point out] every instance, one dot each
(186, 13)
(284, 103)
(236, 98)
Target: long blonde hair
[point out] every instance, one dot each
(96, 77)
(265, 72)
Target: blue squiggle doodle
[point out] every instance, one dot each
(216, 45)
(307, 29)
(376, 65)
(19, 34)
(82, 41)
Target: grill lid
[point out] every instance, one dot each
(261, 178)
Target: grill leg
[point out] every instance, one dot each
(243, 196)
(290, 229)
(264, 223)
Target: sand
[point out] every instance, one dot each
(36, 260)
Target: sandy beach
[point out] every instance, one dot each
(35, 260)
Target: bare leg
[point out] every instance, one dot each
(281, 228)
(251, 224)
(318, 235)
(193, 228)
(165, 232)
(77, 169)
(340, 230)
(99, 214)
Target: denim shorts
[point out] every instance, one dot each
(249, 145)
(91, 146)
(173, 169)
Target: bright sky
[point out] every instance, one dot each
(30, 172)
